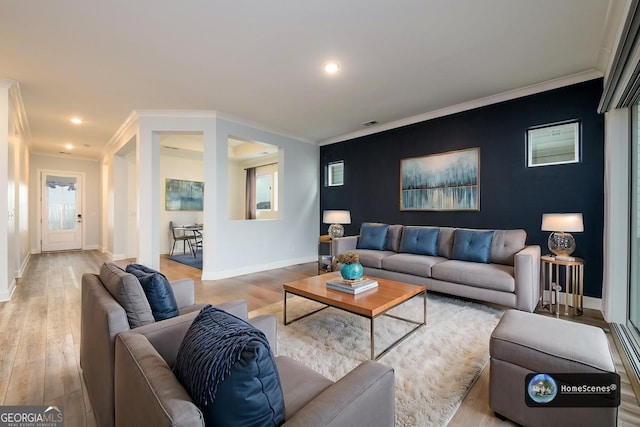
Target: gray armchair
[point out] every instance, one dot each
(148, 393)
(103, 318)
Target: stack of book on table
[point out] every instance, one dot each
(352, 286)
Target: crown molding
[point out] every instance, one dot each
(15, 97)
(470, 105)
(135, 115)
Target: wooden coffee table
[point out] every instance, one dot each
(370, 304)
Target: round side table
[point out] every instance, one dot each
(552, 270)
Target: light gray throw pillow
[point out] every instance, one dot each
(126, 289)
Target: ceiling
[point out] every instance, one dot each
(262, 61)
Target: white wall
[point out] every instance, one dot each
(241, 246)
(230, 247)
(14, 177)
(92, 215)
(184, 166)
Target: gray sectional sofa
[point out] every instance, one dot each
(488, 265)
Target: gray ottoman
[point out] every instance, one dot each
(525, 343)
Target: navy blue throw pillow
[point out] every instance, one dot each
(158, 291)
(373, 236)
(227, 367)
(470, 245)
(420, 240)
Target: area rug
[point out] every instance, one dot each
(434, 367)
(188, 259)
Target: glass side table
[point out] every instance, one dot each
(551, 291)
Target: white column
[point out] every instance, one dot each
(148, 164)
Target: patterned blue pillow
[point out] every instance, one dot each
(420, 240)
(470, 245)
(373, 236)
(158, 291)
(227, 367)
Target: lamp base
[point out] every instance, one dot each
(336, 230)
(562, 245)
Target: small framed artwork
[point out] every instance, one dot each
(441, 182)
(553, 144)
(183, 195)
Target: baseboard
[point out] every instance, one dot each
(223, 274)
(6, 295)
(587, 302)
(23, 266)
(91, 248)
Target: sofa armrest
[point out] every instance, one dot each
(343, 244)
(167, 335)
(146, 391)
(267, 323)
(237, 307)
(527, 278)
(184, 292)
(365, 396)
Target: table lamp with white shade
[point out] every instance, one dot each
(336, 218)
(560, 241)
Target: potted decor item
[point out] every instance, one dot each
(351, 269)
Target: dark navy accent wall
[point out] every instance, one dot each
(511, 194)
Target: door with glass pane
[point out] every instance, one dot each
(61, 211)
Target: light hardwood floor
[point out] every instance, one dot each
(40, 335)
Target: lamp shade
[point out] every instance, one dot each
(566, 222)
(336, 217)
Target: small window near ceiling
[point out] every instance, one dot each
(335, 173)
(553, 144)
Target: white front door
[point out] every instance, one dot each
(61, 211)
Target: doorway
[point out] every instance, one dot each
(62, 211)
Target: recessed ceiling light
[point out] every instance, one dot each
(331, 67)
(76, 120)
(68, 146)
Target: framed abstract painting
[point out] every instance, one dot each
(183, 195)
(441, 182)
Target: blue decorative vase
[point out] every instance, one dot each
(351, 271)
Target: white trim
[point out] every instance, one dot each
(23, 267)
(135, 115)
(223, 274)
(591, 303)
(6, 295)
(465, 106)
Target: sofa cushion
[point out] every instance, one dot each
(126, 289)
(472, 245)
(394, 237)
(505, 244)
(420, 240)
(445, 242)
(489, 276)
(158, 291)
(417, 265)
(371, 258)
(373, 236)
(227, 367)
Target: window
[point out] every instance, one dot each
(553, 144)
(335, 173)
(253, 184)
(266, 189)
